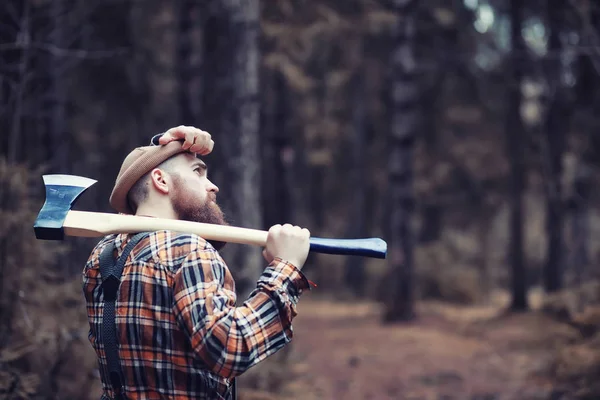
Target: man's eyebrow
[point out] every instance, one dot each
(199, 163)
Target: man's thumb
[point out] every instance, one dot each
(164, 139)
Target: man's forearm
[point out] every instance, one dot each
(231, 339)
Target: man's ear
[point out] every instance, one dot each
(160, 180)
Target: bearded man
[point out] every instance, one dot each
(177, 332)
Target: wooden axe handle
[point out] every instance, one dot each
(93, 224)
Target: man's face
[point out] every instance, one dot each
(193, 195)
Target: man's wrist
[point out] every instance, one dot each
(282, 274)
(289, 261)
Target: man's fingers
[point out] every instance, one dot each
(195, 140)
(206, 148)
(189, 139)
(172, 134)
(165, 139)
(203, 146)
(208, 144)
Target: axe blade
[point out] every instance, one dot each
(61, 193)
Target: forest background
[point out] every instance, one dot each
(463, 132)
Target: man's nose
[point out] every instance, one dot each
(212, 187)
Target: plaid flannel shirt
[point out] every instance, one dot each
(179, 331)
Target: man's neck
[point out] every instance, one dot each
(165, 211)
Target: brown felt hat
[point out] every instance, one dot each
(137, 163)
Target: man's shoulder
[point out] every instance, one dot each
(100, 245)
(168, 248)
(173, 247)
(93, 261)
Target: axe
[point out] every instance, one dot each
(56, 219)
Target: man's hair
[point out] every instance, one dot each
(140, 190)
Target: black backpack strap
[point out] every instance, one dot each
(110, 273)
(234, 389)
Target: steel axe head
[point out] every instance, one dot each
(61, 193)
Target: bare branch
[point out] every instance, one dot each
(62, 52)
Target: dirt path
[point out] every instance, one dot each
(449, 353)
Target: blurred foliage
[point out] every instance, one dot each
(43, 327)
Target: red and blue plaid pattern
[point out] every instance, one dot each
(180, 333)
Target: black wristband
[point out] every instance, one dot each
(154, 140)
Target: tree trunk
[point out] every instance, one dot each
(318, 154)
(318, 164)
(355, 274)
(22, 59)
(58, 124)
(189, 68)
(484, 226)
(557, 121)
(277, 153)
(580, 227)
(232, 115)
(431, 227)
(407, 118)
(515, 154)
(588, 98)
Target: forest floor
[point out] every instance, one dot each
(447, 353)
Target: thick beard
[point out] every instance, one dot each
(188, 209)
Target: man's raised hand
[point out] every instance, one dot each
(195, 140)
(290, 243)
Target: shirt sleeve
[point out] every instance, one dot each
(230, 339)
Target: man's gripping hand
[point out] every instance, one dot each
(195, 140)
(290, 243)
